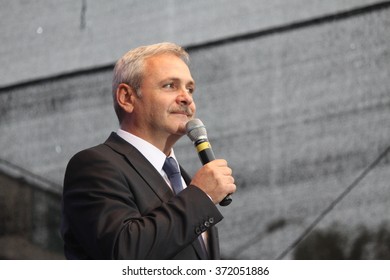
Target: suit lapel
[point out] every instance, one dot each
(144, 168)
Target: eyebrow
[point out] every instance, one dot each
(190, 82)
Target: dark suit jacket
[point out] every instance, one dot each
(117, 206)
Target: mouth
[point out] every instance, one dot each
(182, 113)
(182, 117)
(186, 112)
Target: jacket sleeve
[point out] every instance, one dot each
(111, 213)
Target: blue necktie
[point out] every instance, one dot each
(172, 170)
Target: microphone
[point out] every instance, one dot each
(196, 131)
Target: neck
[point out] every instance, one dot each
(164, 143)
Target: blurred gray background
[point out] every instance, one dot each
(294, 94)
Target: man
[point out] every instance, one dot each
(118, 202)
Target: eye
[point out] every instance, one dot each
(190, 90)
(169, 85)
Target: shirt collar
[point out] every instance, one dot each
(154, 155)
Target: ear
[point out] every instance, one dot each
(125, 96)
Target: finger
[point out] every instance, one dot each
(232, 188)
(227, 171)
(220, 162)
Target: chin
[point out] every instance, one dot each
(181, 130)
(180, 124)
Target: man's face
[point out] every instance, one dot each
(166, 104)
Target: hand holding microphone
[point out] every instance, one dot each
(215, 178)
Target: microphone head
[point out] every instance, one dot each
(196, 130)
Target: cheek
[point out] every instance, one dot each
(193, 107)
(158, 110)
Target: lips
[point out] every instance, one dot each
(183, 111)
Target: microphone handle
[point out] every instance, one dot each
(206, 155)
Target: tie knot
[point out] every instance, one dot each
(170, 166)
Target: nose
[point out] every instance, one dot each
(185, 97)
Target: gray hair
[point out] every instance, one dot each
(129, 69)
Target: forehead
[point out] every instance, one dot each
(167, 65)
